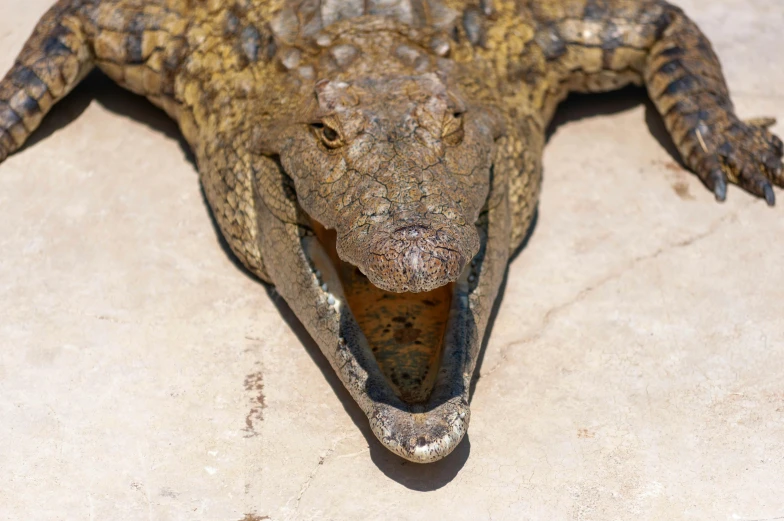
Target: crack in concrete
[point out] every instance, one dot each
(322, 460)
(550, 315)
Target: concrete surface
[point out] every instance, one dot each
(634, 370)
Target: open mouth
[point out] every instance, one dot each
(405, 331)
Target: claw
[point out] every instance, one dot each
(774, 166)
(719, 185)
(770, 197)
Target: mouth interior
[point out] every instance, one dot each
(404, 330)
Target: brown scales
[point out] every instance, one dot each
(377, 161)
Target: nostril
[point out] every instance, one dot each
(410, 232)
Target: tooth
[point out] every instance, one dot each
(440, 46)
(324, 287)
(331, 300)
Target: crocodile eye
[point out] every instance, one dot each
(328, 135)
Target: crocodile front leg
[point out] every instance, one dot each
(685, 81)
(139, 46)
(592, 46)
(54, 59)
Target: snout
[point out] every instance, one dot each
(411, 256)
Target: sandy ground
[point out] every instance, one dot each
(634, 370)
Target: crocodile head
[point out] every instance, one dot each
(403, 255)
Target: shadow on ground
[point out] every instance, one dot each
(581, 106)
(97, 87)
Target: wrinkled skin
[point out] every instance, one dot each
(379, 161)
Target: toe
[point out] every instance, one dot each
(775, 169)
(756, 182)
(777, 145)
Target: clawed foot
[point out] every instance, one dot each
(746, 154)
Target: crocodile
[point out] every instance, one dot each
(379, 161)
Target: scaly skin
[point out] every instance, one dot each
(400, 139)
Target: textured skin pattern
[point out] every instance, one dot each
(413, 128)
